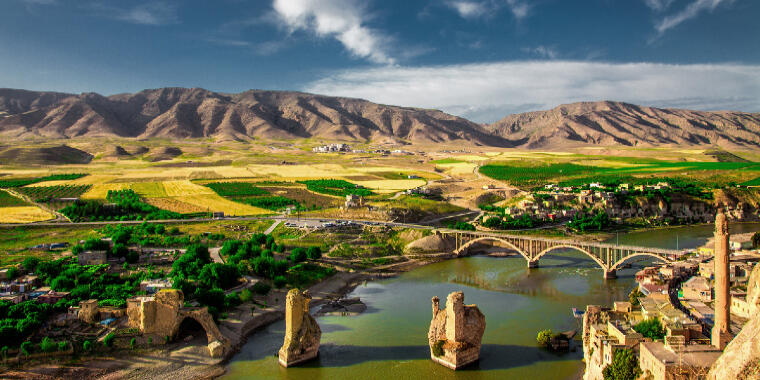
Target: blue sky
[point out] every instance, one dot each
(480, 59)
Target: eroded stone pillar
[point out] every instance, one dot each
(721, 332)
(302, 333)
(455, 333)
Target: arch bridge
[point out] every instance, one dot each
(608, 256)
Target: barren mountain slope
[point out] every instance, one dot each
(181, 113)
(614, 123)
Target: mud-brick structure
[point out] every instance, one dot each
(455, 332)
(163, 314)
(302, 333)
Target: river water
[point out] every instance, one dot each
(389, 340)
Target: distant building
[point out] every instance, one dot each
(52, 298)
(353, 201)
(331, 148)
(153, 286)
(92, 257)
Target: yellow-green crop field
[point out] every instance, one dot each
(24, 214)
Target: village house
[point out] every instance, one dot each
(697, 288)
(92, 257)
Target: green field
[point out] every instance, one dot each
(8, 200)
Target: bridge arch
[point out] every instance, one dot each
(579, 249)
(470, 243)
(639, 254)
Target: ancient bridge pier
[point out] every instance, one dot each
(608, 256)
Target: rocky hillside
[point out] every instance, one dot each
(615, 123)
(183, 113)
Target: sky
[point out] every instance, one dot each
(480, 59)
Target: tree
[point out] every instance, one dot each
(26, 348)
(108, 340)
(4, 353)
(280, 281)
(633, 297)
(217, 275)
(650, 328)
(624, 366)
(87, 345)
(30, 263)
(314, 253)
(297, 255)
(132, 343)
(544, 338)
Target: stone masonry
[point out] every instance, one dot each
(721, 333)
(302, 333)
(455, 332)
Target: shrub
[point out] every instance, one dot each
(297, 255)
(438, 347)
(650, 328)
(261, 288)
(280, 281)
(63, 345)
(624, 366)
(544, 338)
(30, 263)
(150, 340)
(314, 253)
(246, 296)
(4, 352)
(108, 340)
(87, 345)
(132, 343)
(26, 348)
(232, 300)
(47, 345)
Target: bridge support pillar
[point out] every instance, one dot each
(533, 264)
(610, 274)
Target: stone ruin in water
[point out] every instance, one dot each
(302, 332)
(456, 332)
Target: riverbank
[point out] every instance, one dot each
(189, 360)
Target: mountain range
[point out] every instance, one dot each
(179, 113)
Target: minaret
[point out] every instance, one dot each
(721, 332)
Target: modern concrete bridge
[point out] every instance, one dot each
(608, 256)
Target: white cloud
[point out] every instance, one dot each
(691, 11)
(658, 5)
(150, 13)
(468, 9)
(543, 51)
(344, 20)
(487, 92)
(519, 8)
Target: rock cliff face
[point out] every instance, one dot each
(302, 333)
(455, 332)
(741, 358)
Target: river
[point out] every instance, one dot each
(389, 340)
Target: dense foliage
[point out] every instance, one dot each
(28, 181)
(461, 226)
(588, 222)
(336, 187)
(125, 205)
(544, 338)
(236, 189)
(624, 366)
(18, 321)
(634, 295)
(276, 202)
(510, 223)
(650, 328)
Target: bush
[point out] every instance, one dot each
(132, 343)
(4, 352)
(30, 263)
(108, 340)
(624, 366)
(298, 255)
(650, 328)
(246, 296)
(261, 288)
(280, 281)
(26, 348)
(314, 253)
(438, 347)
(231, 300)
(63, 345)
(87, 345)
(47, 345)
(544, 338)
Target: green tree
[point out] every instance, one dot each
(26, 348)
(87, 345)
(634, 295)
(314, 253)
(108, 340)
(132, 343)
(651, 328)
(280, 281)
(624, 366)
(4, 352)
(63, 345)
(246, 296)
(47, 345)
(544, 337)
(298, 254)
(30, 263)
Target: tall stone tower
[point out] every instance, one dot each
(721, 332)
(302, 333)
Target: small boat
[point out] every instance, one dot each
(577, 313)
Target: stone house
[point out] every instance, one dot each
(92, 257)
